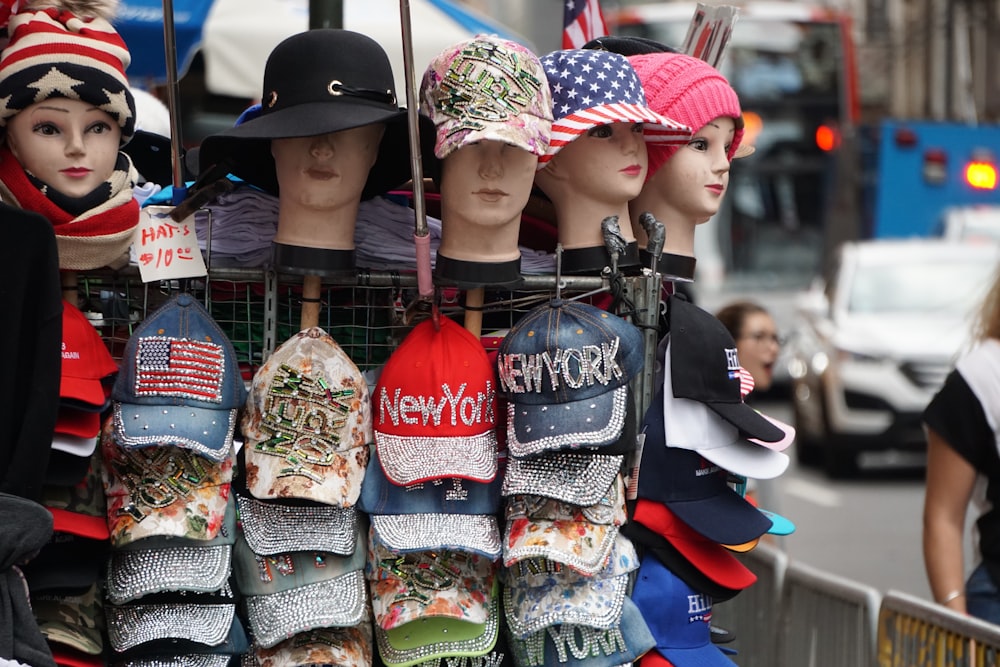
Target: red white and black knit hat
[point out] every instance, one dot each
(56, 52)
(690, 91)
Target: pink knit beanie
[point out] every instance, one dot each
(688, 90)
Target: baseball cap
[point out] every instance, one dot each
(677, 616)
(165, 491)
(704, 367)
(435, 407)
(580, 479)
(432, 638)
(272, 527)
(720, 583)
(580, 537)
(575, 645)
(564, 369)
(442, 496)
(293, 592)
(165, 564)
(74, 620)
(307, 423)
(487, 88)
(538, 572)
(692, 425)
(445, 583)
(180, 383)
(694, 488)
(710, 558)
(82, 428)
(590, 601)
(67, 564)
(408, 533)
(86, 362)
(344, 647)
(80, 509)
(200, 624)
(582, 98)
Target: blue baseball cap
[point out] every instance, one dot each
(677, 616)
(179, 383)
(564, 369)
(574, 645)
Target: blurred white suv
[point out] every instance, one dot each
(874, 341)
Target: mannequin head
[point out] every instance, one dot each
(597, 159)
(695, 93)
(492, 110)
(328, 134)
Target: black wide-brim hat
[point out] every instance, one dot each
(316, 82)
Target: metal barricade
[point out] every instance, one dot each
(913, 632)
(752, 615)
(826, 620)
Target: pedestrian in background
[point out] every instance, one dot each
(757, 340)
(962, 426)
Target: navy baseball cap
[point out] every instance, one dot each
(564, 369)
(179, 383)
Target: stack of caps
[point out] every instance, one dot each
(66, 578)
(168, 465)
(689, 519)
(86, 371)
(300, 552)
(433, 495)
(565, 369)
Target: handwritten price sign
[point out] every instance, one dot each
(167, 249)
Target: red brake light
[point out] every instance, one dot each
(827, 138)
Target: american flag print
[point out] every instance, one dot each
(582, 22)
(179, 368)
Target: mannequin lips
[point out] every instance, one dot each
(321, 174)
(490, 195)
(76, 172)
(632, 170)
(717, 189)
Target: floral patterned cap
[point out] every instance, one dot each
(165, 491)
(308, 423)
(487, 88)
(348, 647)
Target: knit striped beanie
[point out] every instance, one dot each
(57, 53)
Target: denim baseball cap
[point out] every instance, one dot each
(179, 383)
(449, 495)
(576, 645)
(564, 369)
(307, 423)
(705, 368)
(573, 477)
(677, 616)
(694, 488)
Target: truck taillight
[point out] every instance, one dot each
(981, 175)
(827, 138)
(935, 166)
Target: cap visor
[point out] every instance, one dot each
(133, 574)
(202, 430)
(407, 460)
(725, 518)
(84, 525)
(589, 422)
(74, 445)
(580, 479)
(751, 423)
(581, 545)
(403, 533)
(596, 603)
(782, 444)
(748, 459)
(275, 527)
(132, 625)
(79, 423)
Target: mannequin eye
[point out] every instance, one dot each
(601, 132)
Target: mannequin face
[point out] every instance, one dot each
(607, 163)
(328, 171)
(487, 183)
(693, 181)
(69, 144)
(758, 347)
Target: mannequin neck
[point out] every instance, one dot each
(469, 240)
(679, 229)
(579, 222)
(330, 228)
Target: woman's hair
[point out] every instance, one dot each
(735, 314)
(987, 323)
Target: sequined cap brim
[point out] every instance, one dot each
(407, 460)
(596, 603)
(590, 422)
(403, 533)
(583, 546)
(203, 430)
(132, 625)
(133, 574)
(338, 602)
(273, 527)
(580, 479)
(344, 647)
(542, 572)
(423, 640)
(609, 510)
(189, 660)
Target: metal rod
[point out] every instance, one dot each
(173, 100)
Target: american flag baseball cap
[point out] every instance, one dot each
(592, 88)
(180, 383)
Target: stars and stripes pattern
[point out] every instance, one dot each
(592, 88)
(179, 368)
(582, 22)
(746, 383)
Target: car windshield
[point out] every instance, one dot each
(944, 286)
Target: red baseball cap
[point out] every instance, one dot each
(85, 360)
